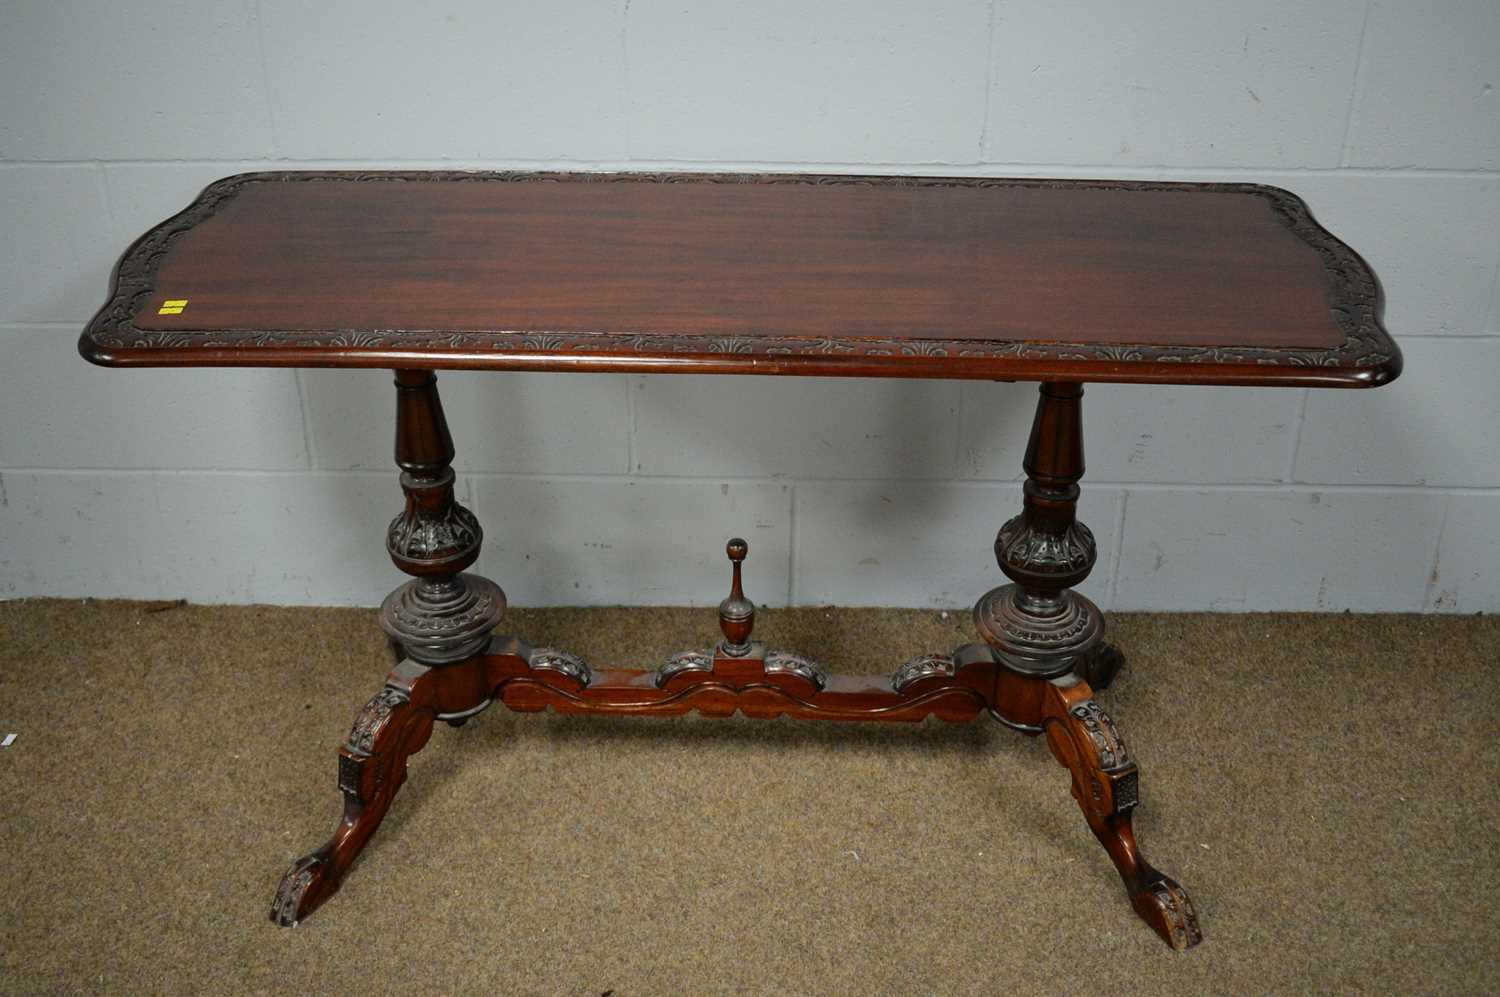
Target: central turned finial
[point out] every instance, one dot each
(736, 613)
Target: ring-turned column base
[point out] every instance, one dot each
(440, 621)
(1042, 638)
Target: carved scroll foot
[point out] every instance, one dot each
(394, 725)
(1100, 666)
(310, 881)
(1106, 786)
(1165, 905)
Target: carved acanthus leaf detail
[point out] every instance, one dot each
(421, 537)
(552, 660)
(1034, 551)
(785, 662)
(1101, 731)
(1182, 919)
(683, 662)
(1063, 635)
(289, 892)
(921, 667)
(373, 717)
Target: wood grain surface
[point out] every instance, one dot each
(944, 277)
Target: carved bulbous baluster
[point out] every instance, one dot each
(1038, 626)
(444, 615)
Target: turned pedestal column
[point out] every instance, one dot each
(442, 615)
(1038, 625)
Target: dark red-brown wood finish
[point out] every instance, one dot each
(1043, 644)
(1085, 280)
(1058, 281)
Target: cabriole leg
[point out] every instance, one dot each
(394, 725)
(438, 621)
(1106, 785)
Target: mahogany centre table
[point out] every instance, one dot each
(1056, 281)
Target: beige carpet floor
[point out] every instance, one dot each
(1325, 786)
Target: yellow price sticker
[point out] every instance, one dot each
(172, 307)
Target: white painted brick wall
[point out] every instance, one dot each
(275, 486)
(593, 541)
(837, 80)
(1173, 82)
(882, 543)
(515, 423)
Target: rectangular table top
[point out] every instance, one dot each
(1087, 280)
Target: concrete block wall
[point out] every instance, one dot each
(274, 486)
